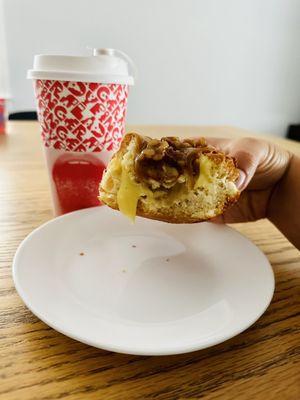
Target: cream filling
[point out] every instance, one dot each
(205, 175)
(128, 195)
(130, 191)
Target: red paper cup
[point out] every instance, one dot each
(2, 116)
(82, 122)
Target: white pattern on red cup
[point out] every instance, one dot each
(81, 116)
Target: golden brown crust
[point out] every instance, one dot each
(182, 219)
(171, 218)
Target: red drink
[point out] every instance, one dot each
(76, 180)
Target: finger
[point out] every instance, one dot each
(240, 183)
(230, 216)
(239, 212)
(247, 164)
(219, 143)
(217, 220)
(249, 154)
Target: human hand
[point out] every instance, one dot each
(262, 165)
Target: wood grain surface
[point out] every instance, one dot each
(36, 362)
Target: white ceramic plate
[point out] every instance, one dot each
(147, 288)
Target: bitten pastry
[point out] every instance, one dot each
(172, 180)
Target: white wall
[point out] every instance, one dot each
(200, 61)
(4, 79)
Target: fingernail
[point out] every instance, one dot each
(241, 179)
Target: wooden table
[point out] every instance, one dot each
(37, 362)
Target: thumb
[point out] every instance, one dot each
(247, 164)
(241, 179)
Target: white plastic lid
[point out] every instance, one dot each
(105, 66)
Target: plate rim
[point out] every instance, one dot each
(130, 349)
